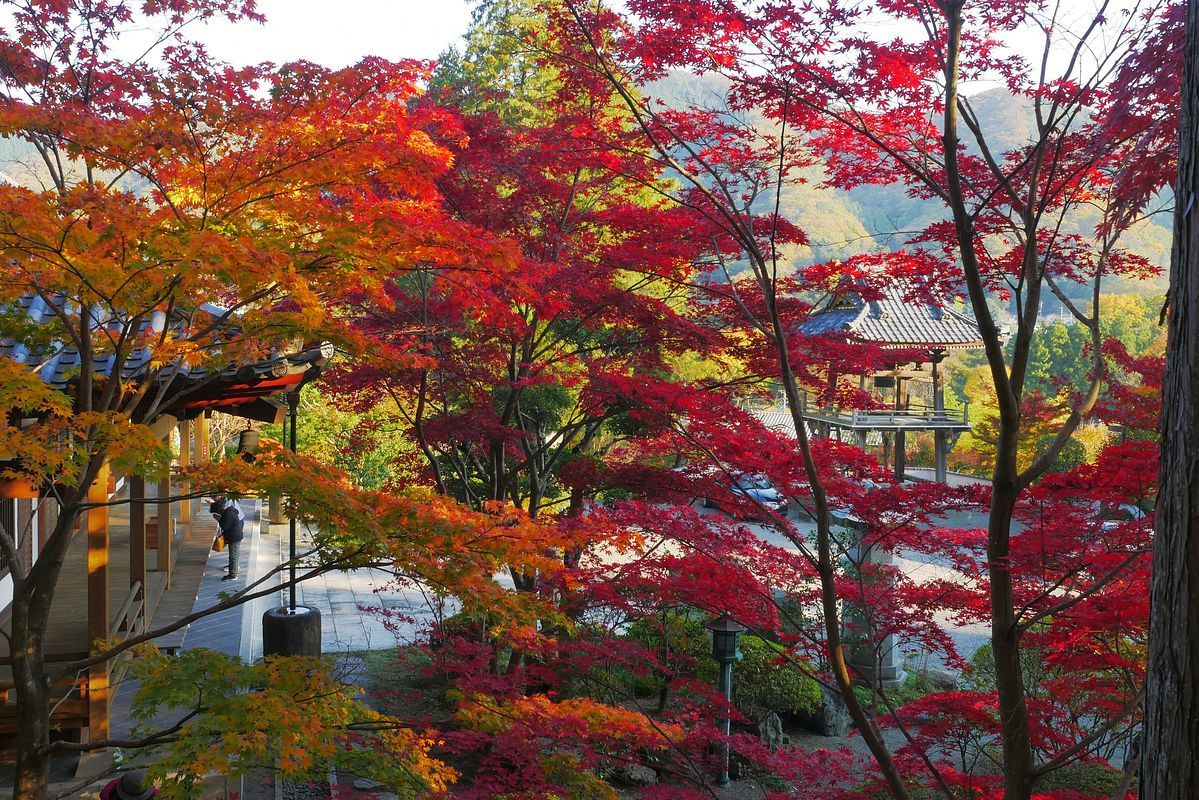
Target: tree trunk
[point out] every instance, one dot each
(33, 703)
(829, 600)
(32, 598)
(1005, 635)
(1170, 764)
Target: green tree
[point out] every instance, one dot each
(498, 68)
(370, 445)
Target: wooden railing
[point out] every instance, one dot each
(129, 618)
(69, 709)
(920, 416)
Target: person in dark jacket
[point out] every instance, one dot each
(231, 525)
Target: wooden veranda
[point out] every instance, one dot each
(121, 570)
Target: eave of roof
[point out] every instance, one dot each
(895, 323)
(187, 386)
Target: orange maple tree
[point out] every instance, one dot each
(184, 217)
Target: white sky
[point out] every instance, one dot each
(337, 33)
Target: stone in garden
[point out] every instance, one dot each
(833, 717)
(770, 730)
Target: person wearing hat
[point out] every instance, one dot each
(223, 501)
(232, 527)
(130, 786)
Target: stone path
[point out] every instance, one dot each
(362, 609)
(365, 609)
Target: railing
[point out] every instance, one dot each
(865, 417)
(913, 417)
(129, 614)
(69, 706)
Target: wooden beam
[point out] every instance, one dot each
(96, 522)
(163, 425)
(137, 535)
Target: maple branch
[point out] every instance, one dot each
(858, 124)
(164, 736)
(1046, 460)
(1095, 587)
(643, 115)
(965, 233)
(1079, 747)
(920, 751)
(1004, 178)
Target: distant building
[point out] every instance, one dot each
(910, 394)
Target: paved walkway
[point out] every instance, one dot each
(365, 609)
(952, 478)
(362, 609)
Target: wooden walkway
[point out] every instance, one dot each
(191, 558)
(66, 632)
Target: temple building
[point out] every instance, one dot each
(910, 395)
(136, 557)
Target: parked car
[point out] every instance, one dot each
(756, 488)
(1114, 515)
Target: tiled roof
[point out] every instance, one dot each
(894, 321)
(58, 364)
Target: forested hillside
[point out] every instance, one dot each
(840, 223)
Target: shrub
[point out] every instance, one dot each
(762, 682)
(681, 645)
(1088, 778)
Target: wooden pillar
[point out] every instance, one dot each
(185, 460)
(901, 403)
(940, 448)
(940, 440)
(96, 522)
(938, 388)
(166, 530)
(860, 437)
(137, 537)
(201, 436)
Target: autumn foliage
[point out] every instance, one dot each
(566, 305)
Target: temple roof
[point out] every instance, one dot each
(243, 389)
(894, 321)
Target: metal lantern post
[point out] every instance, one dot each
(725, 650)
(293, 405)
(292, 630)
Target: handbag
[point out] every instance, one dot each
(218, 544)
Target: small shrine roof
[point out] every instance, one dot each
(894, 321)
